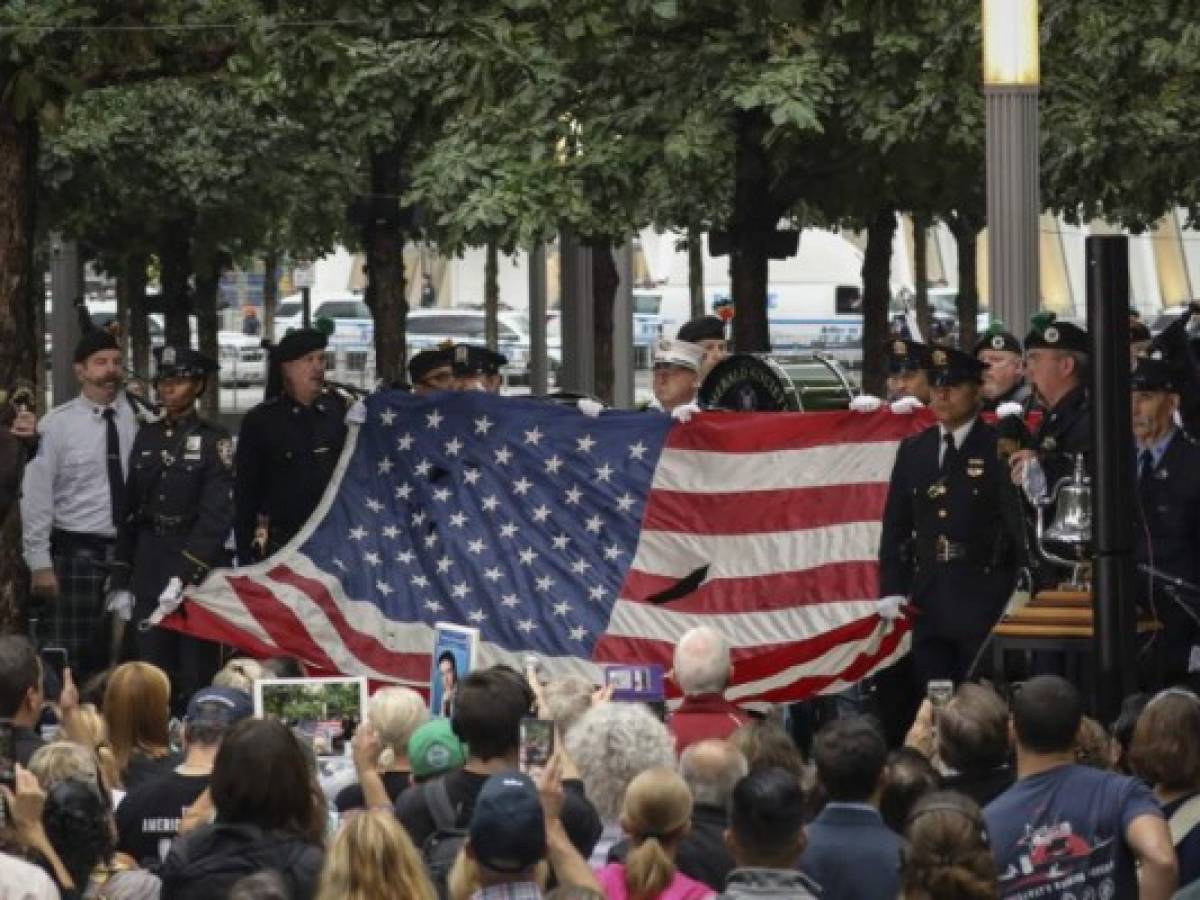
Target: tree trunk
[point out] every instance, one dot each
(18, 338)
(966, 235)
(877, 293)
(208, 282)
(383, 238)
(921, 274)
(753, 224)
(175, 268)
(18, 173)
(270, 292)
(695, 251)
(605, 281)
(491, 297)
(134, 281)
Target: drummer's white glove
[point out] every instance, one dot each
(889, 607)
(906, 406)
(865, 403)
(1009, 409)
(589, 407)
(120, 604)
(684, 413)
(1033, 480)
(171, 595)
(357, 413)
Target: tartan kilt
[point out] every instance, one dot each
(76, 620)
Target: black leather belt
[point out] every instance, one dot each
(166, 526)
(944, 551)
(68, 542)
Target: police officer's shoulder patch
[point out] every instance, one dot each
(225, 452)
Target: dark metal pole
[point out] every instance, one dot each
(306, 307)
(1112, 472)
(539, 362)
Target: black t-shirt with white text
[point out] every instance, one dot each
(148, 817)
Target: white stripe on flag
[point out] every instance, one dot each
(677, 554)
(705, 472)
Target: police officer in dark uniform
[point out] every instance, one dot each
(951, 543)
(431, 370)
(1167, 508)
(287, 448)
(1004, 375)
(177, 515)
(478, 368)
(1056, 363)
(908, 361)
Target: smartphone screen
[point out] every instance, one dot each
(54, 659)
(939, 692)
(8, 753)
(537, 744)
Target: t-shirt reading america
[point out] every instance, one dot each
(148, 817)
(1061, 834)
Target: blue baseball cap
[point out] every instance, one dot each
(508, 829)
(219, 705)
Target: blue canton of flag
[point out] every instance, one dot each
(516, 517)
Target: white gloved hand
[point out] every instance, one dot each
(120, 604)
(906, 406)
(357, 413)
(589, 407)
(684, 413)
(865, 403)
(1033, 480)
(1009, 409)
(889, 607)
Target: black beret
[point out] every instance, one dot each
(182, 362)
(1056, 335)
(93, 342)
(426, 361)
(298, 343)
(906, 355)
(996, 338)
(471, 359)
(948, 366)
(1153, 374)
(705, 328)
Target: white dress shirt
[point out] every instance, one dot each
(66, 484)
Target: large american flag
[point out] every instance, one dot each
(583, 540)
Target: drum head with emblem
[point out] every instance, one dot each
(745, 382)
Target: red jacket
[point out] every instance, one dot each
(702, 717)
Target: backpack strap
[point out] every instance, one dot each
(437, 799)
(1184, 819)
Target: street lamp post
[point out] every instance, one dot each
(1010, 86)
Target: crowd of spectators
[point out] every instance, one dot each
(988, 798)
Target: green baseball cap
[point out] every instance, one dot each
(435, 749)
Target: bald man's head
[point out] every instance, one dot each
(711, 769)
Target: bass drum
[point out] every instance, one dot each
(747, 382)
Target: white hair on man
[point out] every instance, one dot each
(395, 713)
(702, 664)
(711, 768)
(611, 745)
(567, 699)
(240, 673)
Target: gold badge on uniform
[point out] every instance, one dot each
(225, 452)
(937, 489)
(974, 467)
(1049, 444)
(193, 447)
(939, 357)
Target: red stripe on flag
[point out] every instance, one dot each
(365, 647)
(197, 620)
(280, 621)
(853, 580)
(751, 512)
(730, 432)
(864, 665)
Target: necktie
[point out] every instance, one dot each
(116, 478)
(1145, 466)
(949, 453)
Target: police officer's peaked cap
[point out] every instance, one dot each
(298, 343)
(906, 355)
(683, 354)
(1153, 373)
(94, 341)
(948, 366)
(426, 361)
(705, 328)
(1050, 334)
(181, 362)
(471, 359)
(996, 338)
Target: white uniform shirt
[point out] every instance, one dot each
(66, 484)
